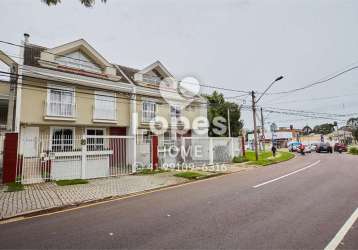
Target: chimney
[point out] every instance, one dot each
(26, 36)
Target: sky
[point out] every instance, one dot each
(236, 44)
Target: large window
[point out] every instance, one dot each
(149, 111)
(94, 143)
(62, 139)
(78, 60)
(61, 102)
(105, 106)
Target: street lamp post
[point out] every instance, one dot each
(254, 102)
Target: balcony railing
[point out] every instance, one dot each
(151, 79)
(102, 114)
(59, 109)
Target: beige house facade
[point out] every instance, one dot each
(72, 90)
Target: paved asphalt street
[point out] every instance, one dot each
(302, 210)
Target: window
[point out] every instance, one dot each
(169, 139)
(105, 106)
(175, 111)
(95, 143)
(149, 110)
(62, 139)
(78, 60)
(61, 102)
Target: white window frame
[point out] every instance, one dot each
(52, 87)
(52, 129)
(104, 93)
(170, 140)
(95, 146)
(144, 117)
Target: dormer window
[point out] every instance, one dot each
(79, 61)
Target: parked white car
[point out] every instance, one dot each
(313, 147)
(308, 148)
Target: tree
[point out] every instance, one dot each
(352, 122)
(86, 3)
(307, 130)
(218, 107)
(324, 129)
(355, 134)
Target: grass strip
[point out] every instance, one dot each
(190, 175)
(266, 158)
(14, 187)
(148, 171)
(71, 182)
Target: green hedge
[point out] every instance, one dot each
(353, 151)
(239, 159)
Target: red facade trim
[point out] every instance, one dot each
(154, 152)
(10, 157)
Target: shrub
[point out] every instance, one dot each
(239, 159)
(353, 151)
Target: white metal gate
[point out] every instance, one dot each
(49, 158)
(195, 151)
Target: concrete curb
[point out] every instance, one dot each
(83, 204)
(74, 206)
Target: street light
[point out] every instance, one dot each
(254, 102)
(276, 80)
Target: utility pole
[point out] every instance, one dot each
(263, 130)
(254, 102)
(255, 129)
(228, 121)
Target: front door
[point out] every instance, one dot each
(118, 160)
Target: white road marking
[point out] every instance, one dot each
(342, 232)
(283, 176)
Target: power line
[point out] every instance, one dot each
(299, 112)
(315, 83)
(316, 99)
(202, 85)
(304, 115)
(308, 112)
(32, 86)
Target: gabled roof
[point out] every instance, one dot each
(82, 45)
(6, 59)
(130, 72)
(33, 54)
(126, 73)
(154, 65)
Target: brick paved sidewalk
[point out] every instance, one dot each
(48, 195)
